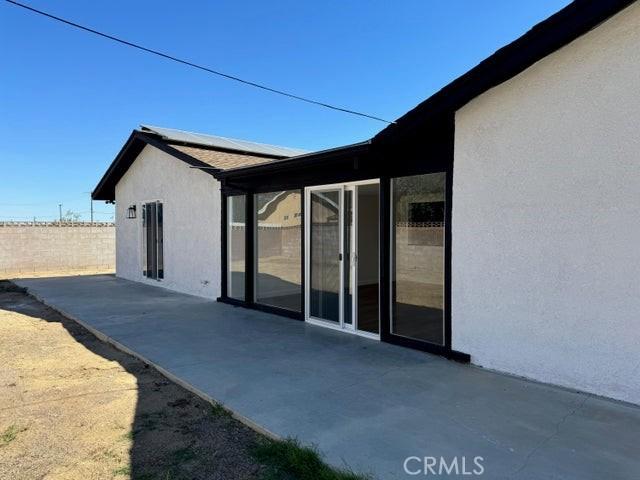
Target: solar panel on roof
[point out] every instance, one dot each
(222, 142)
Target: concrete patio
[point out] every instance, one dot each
(365, 404)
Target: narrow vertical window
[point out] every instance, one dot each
(144, 240)
(152, 240)
(160, 240)
(236, 234)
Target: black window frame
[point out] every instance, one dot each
(250, 255)
(153, 240)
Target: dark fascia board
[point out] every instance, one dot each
(294, 163)
(105, 190)
(543, 39)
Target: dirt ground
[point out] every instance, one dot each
(55, 273)
(72, 407)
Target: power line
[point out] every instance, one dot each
(199, 67)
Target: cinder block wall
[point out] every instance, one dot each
(51, 247)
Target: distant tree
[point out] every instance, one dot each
(71, 216)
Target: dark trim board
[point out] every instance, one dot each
(384, 266)
(283, 312)
(250, 250)
(429, 348)
(223, 245)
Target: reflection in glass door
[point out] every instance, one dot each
(325, 254)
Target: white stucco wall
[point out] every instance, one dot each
(546, 217)
(191, 214)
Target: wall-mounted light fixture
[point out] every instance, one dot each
(131, 211)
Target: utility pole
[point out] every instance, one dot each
(91, 207)
(60, 212)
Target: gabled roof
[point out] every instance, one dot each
(543, 39)
(208, 152)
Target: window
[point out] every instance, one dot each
(236, 235)
(417, 283)
(278, 249)
(152, 240)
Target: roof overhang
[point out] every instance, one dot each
(543, 39)
(293, 163)
(322, 166)
(105, 190)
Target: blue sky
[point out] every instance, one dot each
(68, 100)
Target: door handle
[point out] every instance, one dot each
(339, 257)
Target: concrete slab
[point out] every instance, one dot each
(365, 404)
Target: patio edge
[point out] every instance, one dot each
(170, 376)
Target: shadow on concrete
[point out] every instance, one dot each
(174, 433)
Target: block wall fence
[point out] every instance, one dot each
(40, 247)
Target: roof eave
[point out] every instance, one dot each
(105, 190)
(294, 162)
(100, 191)
(543, 39)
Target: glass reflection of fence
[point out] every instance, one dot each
(271, 241)
(421, 233)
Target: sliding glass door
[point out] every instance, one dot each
(342, 256)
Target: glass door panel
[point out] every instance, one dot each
(417, 235)
(236, 234)
(367, 257)
(325, 252)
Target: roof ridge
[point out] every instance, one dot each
(230, 139)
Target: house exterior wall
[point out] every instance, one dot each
(546, 217)
(191, 216)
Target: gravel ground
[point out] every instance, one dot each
(74, 407)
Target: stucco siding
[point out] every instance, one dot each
(191, 210)
(546, 217)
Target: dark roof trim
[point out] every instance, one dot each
(106, 188)
(543, 39)
(294, 163)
